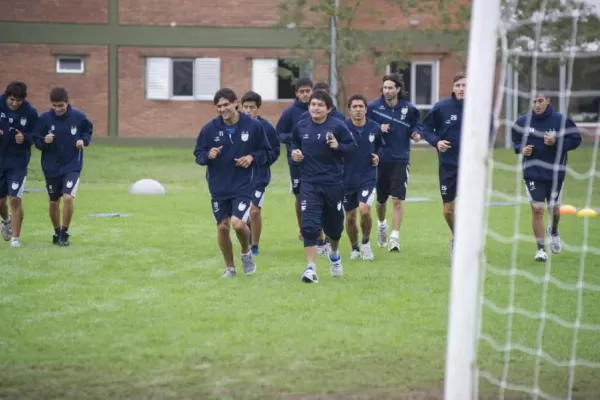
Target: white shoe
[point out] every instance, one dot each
(248, 264)
(541, 255)
(6, 229)
(336, 267)
(321, 250)
(367, 253)
(555, 245)
(310, 276)
(394, 244)
(382, 232)
(355, 255)
(15, 242)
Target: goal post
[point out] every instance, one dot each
(469, 237)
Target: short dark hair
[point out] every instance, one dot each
(322, 96)
(252, 96)
(225, 93)
(358, 97)
(302, 82)
(542, 92)
(459, 76)
(59, 94)
(16, 89)
(322, 86)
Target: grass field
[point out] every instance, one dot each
(136, 308)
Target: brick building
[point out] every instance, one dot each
(141, 69)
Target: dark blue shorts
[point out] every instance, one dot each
(12, 182)
(295, 171)
(365, 194)
(448, 175)
(238, 207)
(322, 208)
(61, 185)
(258, 197)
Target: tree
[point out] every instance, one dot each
(312, 18)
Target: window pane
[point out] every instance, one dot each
(586, 76)
(423, 84)
(547, 77)
(287, 73)
(183, 78)
(405, 73)
(70, 64)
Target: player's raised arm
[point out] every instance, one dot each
(264, 152)
(39, 133)
(346, 143)
(517, 136)
(430, 127)
(202, 150)
(572, 136)
(87, 130)
(274, 142)
(284, 127)
(32, 118)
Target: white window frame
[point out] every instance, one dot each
(162, 88)
(59, 70)
(256, 86)
(435, 84)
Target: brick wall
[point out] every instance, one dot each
(36, 66)
(66, 11)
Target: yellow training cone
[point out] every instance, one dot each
(587, 212)
(568, 209)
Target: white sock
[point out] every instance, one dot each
(382, 224)
(14, 239)
(395, 234)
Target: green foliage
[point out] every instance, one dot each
(312, 21)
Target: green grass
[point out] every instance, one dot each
(136, 309)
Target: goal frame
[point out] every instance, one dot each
(461, 381)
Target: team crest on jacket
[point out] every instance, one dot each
(404, 110)
(371, 137)
(73, 130)
(10, 120)
(244, 136)
(23, 121)
(52, 128)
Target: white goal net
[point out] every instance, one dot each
(523, 325)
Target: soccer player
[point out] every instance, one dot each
(251, 102)
(544, 136)
(323, 244)
(334, 111)
(287, 121)
(442, 129)
(400, 122)
(61, 134)
(360, 176)
(232, 146)
(17, 121)
(320, 144)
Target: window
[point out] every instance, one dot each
(69, 65)
(182, 78)
(274, 79)
(584, 108)
(421, 82)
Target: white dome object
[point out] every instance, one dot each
(147, 186)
